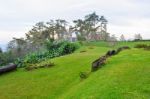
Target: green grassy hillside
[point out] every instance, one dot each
(125, 76)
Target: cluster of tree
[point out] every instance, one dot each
(5, 57)
(137, 37)
(92, 27)
(36, 37)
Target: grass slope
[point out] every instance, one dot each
(125, 76)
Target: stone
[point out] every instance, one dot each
(98, 63)
(110, 53)
(8, 68)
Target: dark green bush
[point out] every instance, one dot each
(68, 48)
(82, 51)
(38, 66)
(141, 46)
(147, 48)
(5, 58)
(54, 49)
(83, 75)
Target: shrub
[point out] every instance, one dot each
(54, 49)
(140, 46)
(68, 48)
(5, 58)
(83, 75)
(82, 51)
(38, 66)
(147, 48)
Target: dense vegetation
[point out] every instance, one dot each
(31, 48)
(85, 29)
(54, 49)
(54, 64)
(125, 76)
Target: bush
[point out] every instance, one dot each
(38, 66)
(147, 48)
(5, 58)
(54, 49)
(82, 51)
(83, 75)
(140, 46)
(68, 48)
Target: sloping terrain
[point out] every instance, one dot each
(125, 76)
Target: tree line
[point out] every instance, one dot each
(91, 27)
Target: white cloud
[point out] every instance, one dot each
(124, 16)
(133, 27)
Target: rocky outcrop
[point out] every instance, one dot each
(122, 48)
(98, 63)
(47, 65)
(8, 68)
(110, 53)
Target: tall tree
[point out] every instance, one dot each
(92, 25)
(104, 27)
(17, 46)
(89, 26)
(60, 28)
(36, 35)
(51, 29)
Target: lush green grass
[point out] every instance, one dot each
(125, 76)
(117, 44)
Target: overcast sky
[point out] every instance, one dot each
(126, 17)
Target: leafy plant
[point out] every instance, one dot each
(83, 75)
(54, 49)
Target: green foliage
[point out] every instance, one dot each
(38, 66)
(5, 58)
(2, 59)
(141, 46)
(89, 26)
(1, 51)
(83, 75)
(61, 47)
(54, 49)
(145, 46)
(68, 48)
(48, 44)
